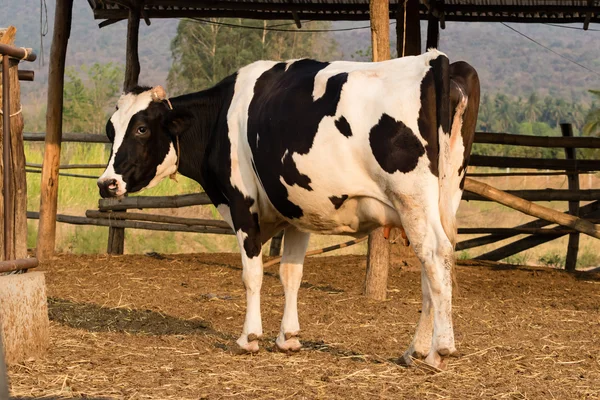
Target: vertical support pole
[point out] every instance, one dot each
(116, 236)
(433, 32)
(573, 179)
(378, 254)
(408, 28)
(6, 161)
(132, 66)
(276, 240)
(56, 78)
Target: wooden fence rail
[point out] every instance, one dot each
(140, 202)
(544, 195)
(533, 163)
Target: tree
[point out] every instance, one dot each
(204, 53)
(592, 120)
(89, 99)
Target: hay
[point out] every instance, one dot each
(135, 327)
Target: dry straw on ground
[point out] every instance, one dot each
(138, 327)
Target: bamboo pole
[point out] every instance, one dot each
(113, 215)
(152, 226)
(49, 186)
(544, 195)
(378, 253)
(278, 259)
(68, 137)
(525, 243)
(114, 204)
(573, 179)
(515, 231)
(408, 28)
(529, 208)
(585, 211)
(537, 141)
(535, 163)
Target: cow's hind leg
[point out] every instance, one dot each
(421, 343)
(433, 248)
(290, 272)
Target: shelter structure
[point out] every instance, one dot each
(408, 14)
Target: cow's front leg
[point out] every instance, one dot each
(290, 272)
(247, 230)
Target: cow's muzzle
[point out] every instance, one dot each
(108, 188)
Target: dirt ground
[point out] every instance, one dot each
(140, 327)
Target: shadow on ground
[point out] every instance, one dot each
(94, 318)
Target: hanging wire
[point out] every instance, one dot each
(550, 50)
(270, 28)
(571, 27)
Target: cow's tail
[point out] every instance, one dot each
(451, 151)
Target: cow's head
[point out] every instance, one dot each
(143, 131)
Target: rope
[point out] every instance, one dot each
(26, 53)
(14, 114)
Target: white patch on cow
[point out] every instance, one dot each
(128, 105)
(166, 168)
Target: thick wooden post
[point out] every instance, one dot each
(573, 179)
(408, 28)
(132, 66)
(116, 236)
(18, 208)
(56, 78)
(378, 255)
(433, 32)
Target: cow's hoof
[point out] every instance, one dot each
(288, 342)
(409, 356)
(439, 359)
(248, 343)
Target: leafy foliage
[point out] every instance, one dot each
(89, 99)
(204, 53)
(592, 120)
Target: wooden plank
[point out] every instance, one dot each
(380, 29)
(112, 215)
(68, 137)
(537, 141)
(573, 179)
(536, 163)
(544, 195)
(530, 208)
(140, 202)
(132, 65)
(152, 226)
(538, 223)
(71, 166)
(499, 174)
(56, 77)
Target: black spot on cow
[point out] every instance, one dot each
(292, 176)
(394, 145)
(343, 126)
(283, 114)
(338, 201)
(427, 122)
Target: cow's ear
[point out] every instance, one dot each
(178, 121)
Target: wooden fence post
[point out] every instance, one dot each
(573, 179)
(378, 254)
(56, 78)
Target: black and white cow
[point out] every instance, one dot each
(308, 146)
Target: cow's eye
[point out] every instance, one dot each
(142, 130)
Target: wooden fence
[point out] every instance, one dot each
(113, 212)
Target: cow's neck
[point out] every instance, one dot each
(206, 108)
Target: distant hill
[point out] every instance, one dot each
(507, 62)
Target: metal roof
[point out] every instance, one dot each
(556, 11)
